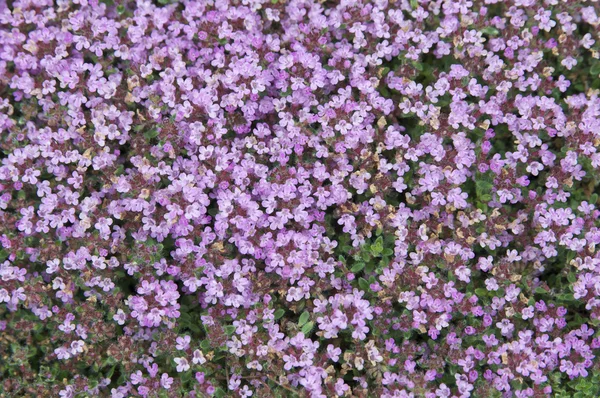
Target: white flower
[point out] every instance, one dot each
(182, 364)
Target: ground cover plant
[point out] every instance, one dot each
(269, 198)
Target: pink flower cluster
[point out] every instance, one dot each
(271, 198)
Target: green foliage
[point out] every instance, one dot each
(303, 318)
(373, 256)
(588, 387)
(357, 267)
(490, 31)
(150, 134)
(307, 329)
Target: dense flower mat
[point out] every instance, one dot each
(276, 198)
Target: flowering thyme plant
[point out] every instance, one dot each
(269, 198)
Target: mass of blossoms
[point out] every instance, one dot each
(299, 198)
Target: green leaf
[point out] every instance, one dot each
(490, 31)
(205, 344)
(571, 277)
(377, 247)
(111, 371)
(306, 329)
(363, 284)
(279, 313)
(595, 69)
(184, 316)
(566, 297)
(417, 65)
(357, 267)
(229, 330)
(151, 134)
(303, 318)
(484, 185)
(365, 255)
(540, 290)
(370, 267)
